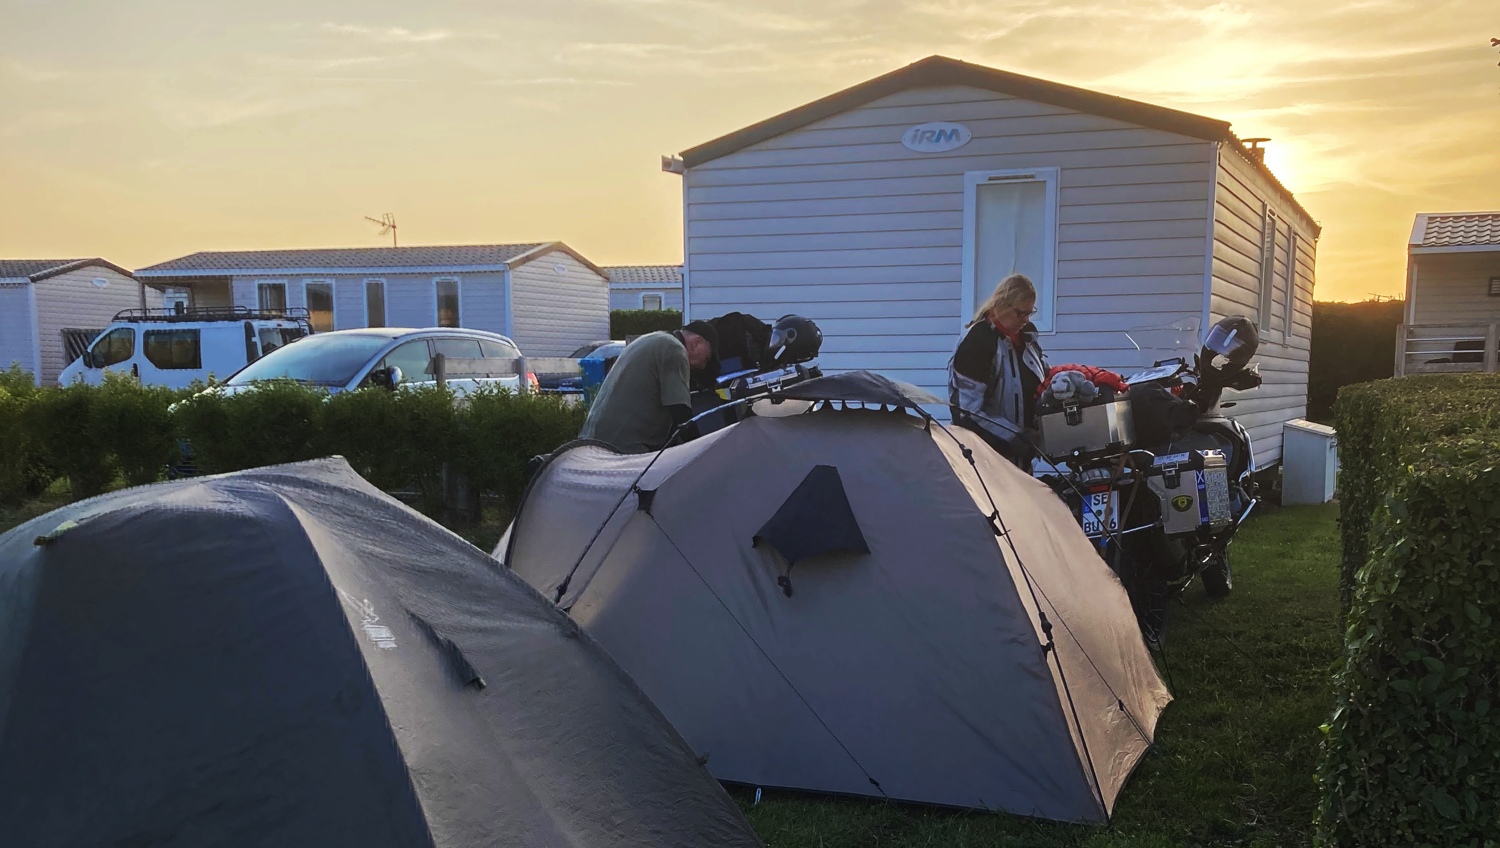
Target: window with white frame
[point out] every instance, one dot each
(651, 301)
(318, 295)
(374, 303)
(1292, 246)
(1268, 226)
(1010, 227)
(271, 297)
(445, 290)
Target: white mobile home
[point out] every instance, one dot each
(1452, 294)
(49, 306)
(648, 287)
(887, 211)
(545, 296)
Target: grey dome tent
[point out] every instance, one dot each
(853, 601)
(288, 657)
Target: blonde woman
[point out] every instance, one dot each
(994, 374)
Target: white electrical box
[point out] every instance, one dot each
(1309, 462)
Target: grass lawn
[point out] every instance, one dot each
(1235, 751)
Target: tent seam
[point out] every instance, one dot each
(1049, 647)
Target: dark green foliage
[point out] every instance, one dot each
(61, 425)
(624, 323)
(396, 440)
(279, 421)
(399, 441)
(24, 469)
(1380, 424)
(1351, 343)
(1412, 755)
(133, 424)
(18, 381)
(503, 431)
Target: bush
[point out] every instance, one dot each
(1380, 425)
(1412, 753)
(60, 422)
(278, 421)
(624, 323)
(24, 470)
(133, 423)
(503, 431)
(396, 440)
(1351, 343)
(1411, 750)
(18, 381)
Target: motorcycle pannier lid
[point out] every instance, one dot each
(1102, 426)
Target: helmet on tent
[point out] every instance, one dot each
(794, 339)
(855, 601)
(1233, 338)
(287, 656)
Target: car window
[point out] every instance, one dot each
(413, 358)
(114, 347)
(272, 338)
(464, 358)
(499, 350)
(319, 360)
(173, 349)
(457, 348)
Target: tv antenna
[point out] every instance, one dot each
(387, 224)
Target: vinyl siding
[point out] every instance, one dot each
(1236, 270)
(1454, 288)
(17, 326)
(838, 221)
(557, 312)
(630, 298)
(72, 300)
(410, 299)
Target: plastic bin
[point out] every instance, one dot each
(1309, 462)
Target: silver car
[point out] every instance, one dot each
(389, 357)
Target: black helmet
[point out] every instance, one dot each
(1233, 338)
(793, 339)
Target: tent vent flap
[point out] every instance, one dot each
(815, 520)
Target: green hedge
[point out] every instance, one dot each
(1412, 751)
(96, 435)
(1381, 425)
(24, 470)
(624, 323)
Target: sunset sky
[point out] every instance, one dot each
(144, 130)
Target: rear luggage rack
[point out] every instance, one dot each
(212, 313)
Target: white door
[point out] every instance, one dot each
(1010, 227)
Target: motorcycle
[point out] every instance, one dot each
(755, 359)
(1160, 479)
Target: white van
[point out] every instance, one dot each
(163, 347)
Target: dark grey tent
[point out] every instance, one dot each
(287, 657)
(854, 601)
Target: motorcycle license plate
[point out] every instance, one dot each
(1099, 508)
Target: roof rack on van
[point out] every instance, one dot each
(212, 313)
